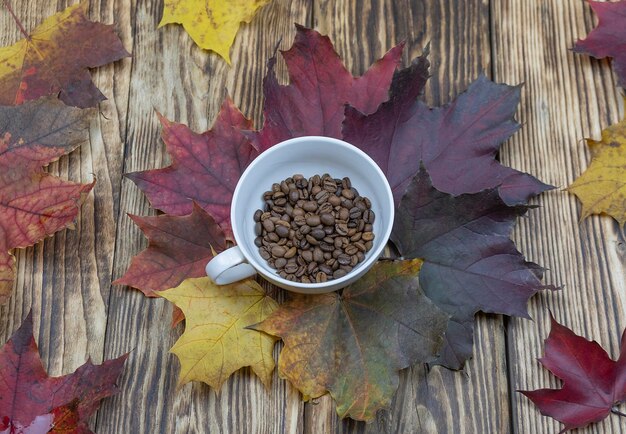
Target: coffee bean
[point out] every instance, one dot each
(351, 250)
(282, 231)
(322, 196)
(326, 269)
(310, 206)
(312, 240)
(368, 236)
(327, 219)
(318, 234)
(318, 255)
(334, 200)
(257, 215)
(291, 268)
(313, 230)
(321, 277)
(313, 220)
(278, 251)
(326, 247)
(339, 273)
(291, 253)
(355, 213)
(341, 228)
(356, 237)
(343, 259)
(268, 225)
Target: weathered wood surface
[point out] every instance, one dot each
(66, 279)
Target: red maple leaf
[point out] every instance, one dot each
(609, 38)
(179, 248)
(205, 167)
(33, 203)
(593, 383)
(28, 396)
(54, 59)
(457, 143)
(320, 86)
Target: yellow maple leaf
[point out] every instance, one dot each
(602, 187)
(212, 24)
(216, 342)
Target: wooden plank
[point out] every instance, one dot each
(186, 84)
(566, 97)
(439, 400)
(65, 279)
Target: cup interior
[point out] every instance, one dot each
(309, 156)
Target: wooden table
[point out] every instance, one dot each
(66, 280)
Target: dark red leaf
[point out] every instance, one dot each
(609, 38)
(26, 391)
(320, 86)
(457, 143)
(470, 263)
(205, 167)
(179, 248)
(592, 382)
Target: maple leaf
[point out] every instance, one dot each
(180, 247)
(205, 167)
(33, 203)
(457, 142)
(609, 38)
(55, 57)
(216, 342)
(313, 103)
(602, 188)
(28, 396)
(470, 263)
(593, 384)
(212, 24)
(352, 344)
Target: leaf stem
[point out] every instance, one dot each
(17, 21)
(614, 410)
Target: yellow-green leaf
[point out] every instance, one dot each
(602, 188)
(353, 343)
(212, 24)
(216, 342)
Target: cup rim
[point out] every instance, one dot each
(373, 254)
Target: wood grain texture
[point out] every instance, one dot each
(439, 400)
(566, 98)
(184, 83)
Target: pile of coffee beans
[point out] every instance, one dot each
(314, 230)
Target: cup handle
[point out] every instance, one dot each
(229, 266)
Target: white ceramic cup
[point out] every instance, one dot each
(308, 156)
